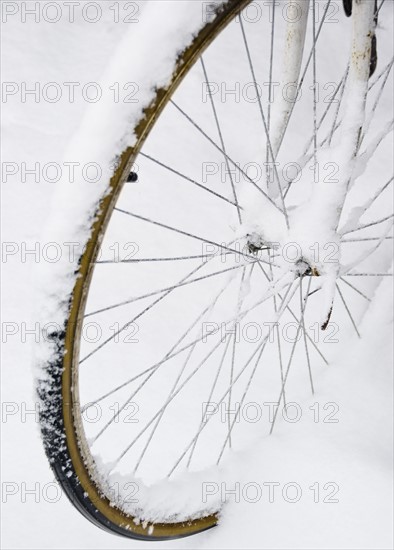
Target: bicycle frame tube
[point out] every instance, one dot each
(364, 23)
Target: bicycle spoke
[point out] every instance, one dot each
(154, 429)
(302, 322)
(239, 305)
(204, 424)
(147, 260)
(367, 123)
(171, 394)
(371, 224)
(306, 158)
(366, 239)
(327, 110)
(169, 400)
(181, 284)
(367, 275)
(335, 125)
(221, 140)
(370, 151)
(264, 122)
(381, 74)
(347, 310)
(286, 299)
(231, 426)
(186, 234)
(237, 167)
(270, 79)
(209, 399)
(297, 320)
(151, 371)
(355, 289)
(380, 6)
(287, 370)
(170, 355)
(186, 178)
(147, 308)
(277, 333)
(314, 89)
(367, 253)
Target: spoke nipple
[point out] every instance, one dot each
(132, 177)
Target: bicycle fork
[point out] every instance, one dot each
(327, 201)
(348, 7)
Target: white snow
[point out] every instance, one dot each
(354, 454)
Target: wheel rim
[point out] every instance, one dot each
(71, 405)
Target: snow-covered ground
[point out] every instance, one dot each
(347, 463)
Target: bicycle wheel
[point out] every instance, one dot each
(217, 263)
